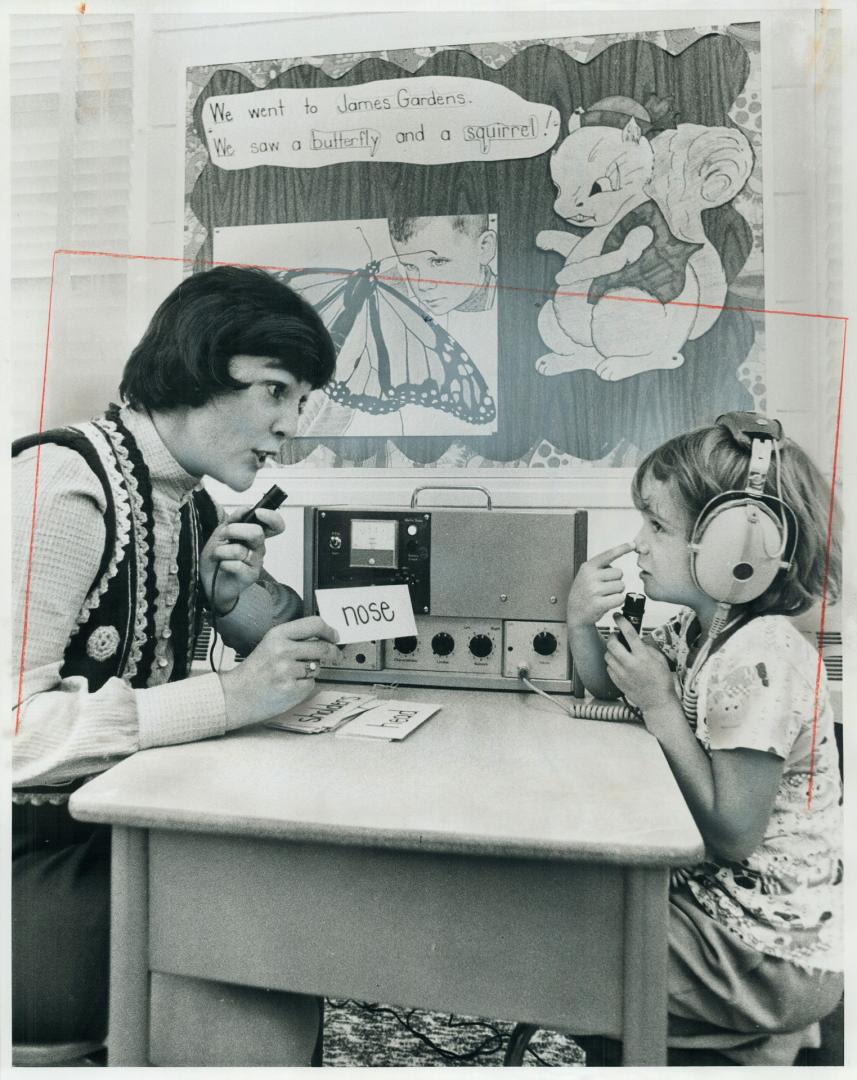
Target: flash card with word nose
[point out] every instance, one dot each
(368, 614)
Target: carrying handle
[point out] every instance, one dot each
(450, 487)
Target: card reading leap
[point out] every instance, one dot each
(368, 614)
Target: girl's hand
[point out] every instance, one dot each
(280, 672)
(597, 588)
(238, 548)
(641, 672)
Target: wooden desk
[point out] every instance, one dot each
(503, 861)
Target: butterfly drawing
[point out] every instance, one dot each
(390, 351)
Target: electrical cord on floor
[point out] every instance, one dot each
(540, 1060)
(491, 1045)
(583, 711)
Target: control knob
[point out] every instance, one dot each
(442, 644)
(544, 643)
(481, 645)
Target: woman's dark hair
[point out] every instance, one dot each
(183, 357)
(701, 464)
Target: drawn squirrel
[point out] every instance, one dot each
(641, 201)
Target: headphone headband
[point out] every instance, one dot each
(746, 426)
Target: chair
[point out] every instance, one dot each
(603, 1052)
(92, 1054)
(58, 1055)
(832, 1048)
(689, 1052)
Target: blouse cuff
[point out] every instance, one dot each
(183, 711)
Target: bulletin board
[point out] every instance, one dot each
(531, 254)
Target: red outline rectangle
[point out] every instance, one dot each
(626, 299)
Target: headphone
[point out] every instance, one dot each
(743, 539)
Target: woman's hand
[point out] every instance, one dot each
(238, 548)
(641, 671)
(597, 588)
(280, 672)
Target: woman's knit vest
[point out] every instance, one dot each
(115, 631)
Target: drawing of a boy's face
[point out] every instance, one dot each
(445, 265)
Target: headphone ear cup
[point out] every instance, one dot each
(737, 551)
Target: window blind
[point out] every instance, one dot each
(71, 119)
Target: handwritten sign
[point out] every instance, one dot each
(426, 120)
(368, 614)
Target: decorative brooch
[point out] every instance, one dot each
(103, 643)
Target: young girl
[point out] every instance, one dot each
(732, 696)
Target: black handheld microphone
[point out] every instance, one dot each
(271, 500)
(632, 610)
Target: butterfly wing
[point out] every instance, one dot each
(429, 366)
(336, 294)
(390, 351)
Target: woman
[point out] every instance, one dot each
(110, 579)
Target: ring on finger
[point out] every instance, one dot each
(310, 667)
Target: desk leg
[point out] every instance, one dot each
(128, 1027)
(645, 975)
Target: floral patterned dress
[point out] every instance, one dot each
(762, 689)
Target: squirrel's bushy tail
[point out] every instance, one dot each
(698, 168)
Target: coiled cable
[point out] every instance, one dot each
(584, 710)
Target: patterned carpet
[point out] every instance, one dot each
(385, 1035)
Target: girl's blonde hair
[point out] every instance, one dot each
(704, 463)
